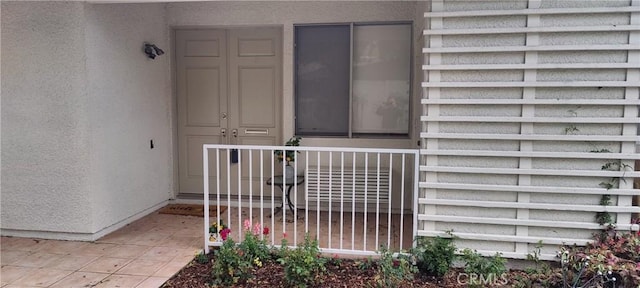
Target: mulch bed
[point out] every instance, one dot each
(346, 274)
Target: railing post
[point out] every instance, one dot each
(205, 173)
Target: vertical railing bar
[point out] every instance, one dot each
(205, 172)
(250, 185)
(330, 193)
(341, 197)
(273, 195)
(284, 196)
(229, 188)
(217, 189)
(366, 192)
(402, 200)
(262, 191)
(377, 199)
(306, 193)
(416, 179)
(239, 194)
(295, 198)
(318, 197)
(389, 211)
(353, 202)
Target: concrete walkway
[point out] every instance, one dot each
(143, 254)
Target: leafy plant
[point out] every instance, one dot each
(392, 271)
(202, 258)
(230, 266)
(254, 246)
(288, 155)
(302, 265)
(234, 263)
(365, 264)
(434, 256)
(487, 269)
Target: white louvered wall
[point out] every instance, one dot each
(517, 95)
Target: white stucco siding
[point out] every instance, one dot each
(81, 104)
(45, 141)
(288, 13)
(508, 178)
(129, 100)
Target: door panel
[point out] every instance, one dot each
(256, 88)
(257, 98)
(227, 79)
(201, 82)
(203, 95)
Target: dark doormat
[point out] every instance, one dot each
(190, 210)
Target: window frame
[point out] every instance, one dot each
(350, 133)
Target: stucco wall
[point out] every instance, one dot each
(81, 104)
(129, 102)
(559, 128)
(288, 13)
(45, 143)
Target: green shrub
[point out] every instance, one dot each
(302, 265)
(255, 249)
(392, 271)
(483, 270)
(434, 255)
(230, 267)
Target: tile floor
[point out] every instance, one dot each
(149, 251)
(143, 254)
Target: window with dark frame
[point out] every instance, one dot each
(353, 80)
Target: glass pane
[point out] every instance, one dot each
(322, 80)
(381, 78)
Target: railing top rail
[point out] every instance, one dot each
(312, 149)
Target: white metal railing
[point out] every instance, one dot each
(358, 199)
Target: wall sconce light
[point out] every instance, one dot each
(152, 50)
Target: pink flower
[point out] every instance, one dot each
(265, 231)
(284, 234)
(257, 229)
(247, 225)
(224, 233)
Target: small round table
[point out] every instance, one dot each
(279, 181)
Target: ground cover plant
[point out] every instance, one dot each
(612, 260)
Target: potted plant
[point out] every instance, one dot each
(288, 156)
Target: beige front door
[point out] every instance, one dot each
(229, 88)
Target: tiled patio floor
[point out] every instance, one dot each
(149, 251)
(143, 254)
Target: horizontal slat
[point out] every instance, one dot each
(516, 222)
(531, 154)
(608, 102)
(515, 84)
(516, 171)
(514, 30)
(466, 67)
(337, 199)
(613, 47)
(601, 120)
(516, 255)
(533, 206)
(360, 151)
(512, 12)
(340, 185)
(528, 189)
(533, 137)
(506, 238)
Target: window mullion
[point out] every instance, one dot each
(351, 80)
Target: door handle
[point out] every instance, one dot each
(223, 132)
